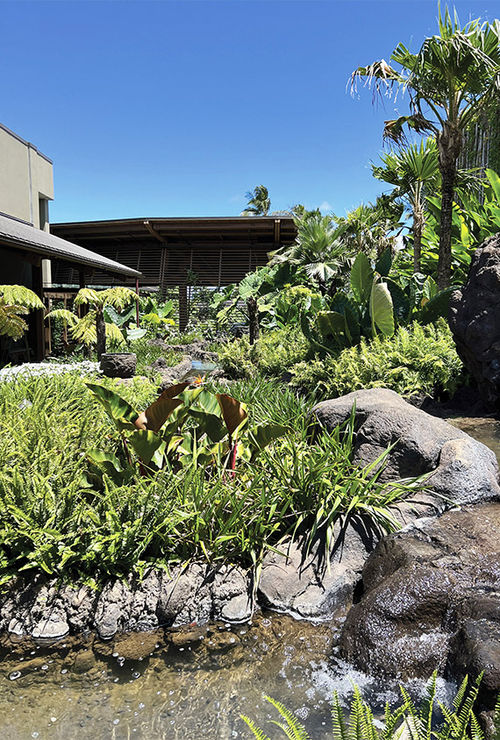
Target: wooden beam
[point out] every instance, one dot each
(153, 232)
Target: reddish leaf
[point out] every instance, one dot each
(233, 412)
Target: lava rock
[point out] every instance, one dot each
(306, 586)
(431, 601)
(474, 318)
(119, 364)
(463, 471)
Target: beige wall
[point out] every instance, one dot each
(25, 177)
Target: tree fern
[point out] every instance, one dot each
(16, 301)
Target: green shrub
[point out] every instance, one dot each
(417, 359)
(272, 355)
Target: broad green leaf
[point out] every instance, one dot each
(116, 406)
(209, 424)
(260, 436)
(154, 417)
(99, 456)
(145, 443)
(381, 309)
(361, 278)
(437, 306)
(384, 263)
(494, 180)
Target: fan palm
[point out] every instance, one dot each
(316, 251)
(411, 171)
(451, 79)
(259, 202)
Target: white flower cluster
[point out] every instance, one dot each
(36, 369)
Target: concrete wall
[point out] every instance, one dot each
(25, 177)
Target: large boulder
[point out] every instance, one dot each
(431, 601)
(462, 470)
(475, 319)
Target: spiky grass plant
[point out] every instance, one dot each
(431, 720)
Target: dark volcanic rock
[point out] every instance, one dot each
(432, 601)
(119, 364)
(463, 470)
(475, 319)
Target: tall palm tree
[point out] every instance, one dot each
(450, 80)
(259, 202)
(412, 171)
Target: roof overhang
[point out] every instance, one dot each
(17, 234)
(163, 229)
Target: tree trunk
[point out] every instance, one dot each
(253, 316)
(447, 196)
(100, 326)
(417, 242)
(449, 144)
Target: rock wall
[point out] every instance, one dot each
(475, 319)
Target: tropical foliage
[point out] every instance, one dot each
(416, 360)
(449, 80)
(259, 202)
(429, 720)
(92, 328)
(16, 301)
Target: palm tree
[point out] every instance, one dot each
(454, 76)
(368, 227)
(411, 171)
(259, 202)
(316, 250)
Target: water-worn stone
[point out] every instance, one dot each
(463, 470)
(475, 319)
(432, 601)
(118, 364)
(170, 375)
(304, 586)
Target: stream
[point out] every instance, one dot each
(189, 684)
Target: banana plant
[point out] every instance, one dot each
(186, 425)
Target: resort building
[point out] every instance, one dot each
(29, 253)
(180, 252)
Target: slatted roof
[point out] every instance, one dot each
(168, 251)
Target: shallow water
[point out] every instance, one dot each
(484, 429)
(190, 684)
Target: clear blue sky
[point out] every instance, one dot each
(178, 107)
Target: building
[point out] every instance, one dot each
(28, 251)
(180, 252)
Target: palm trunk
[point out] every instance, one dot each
(100, 326)
(417, 242)
(449, 144)
(447, 195)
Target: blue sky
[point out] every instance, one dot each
(177, 108)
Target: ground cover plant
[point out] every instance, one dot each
(63, 517)
(429, 720)
(416, 360)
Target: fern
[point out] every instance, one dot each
(406, 722)
(16, 301)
